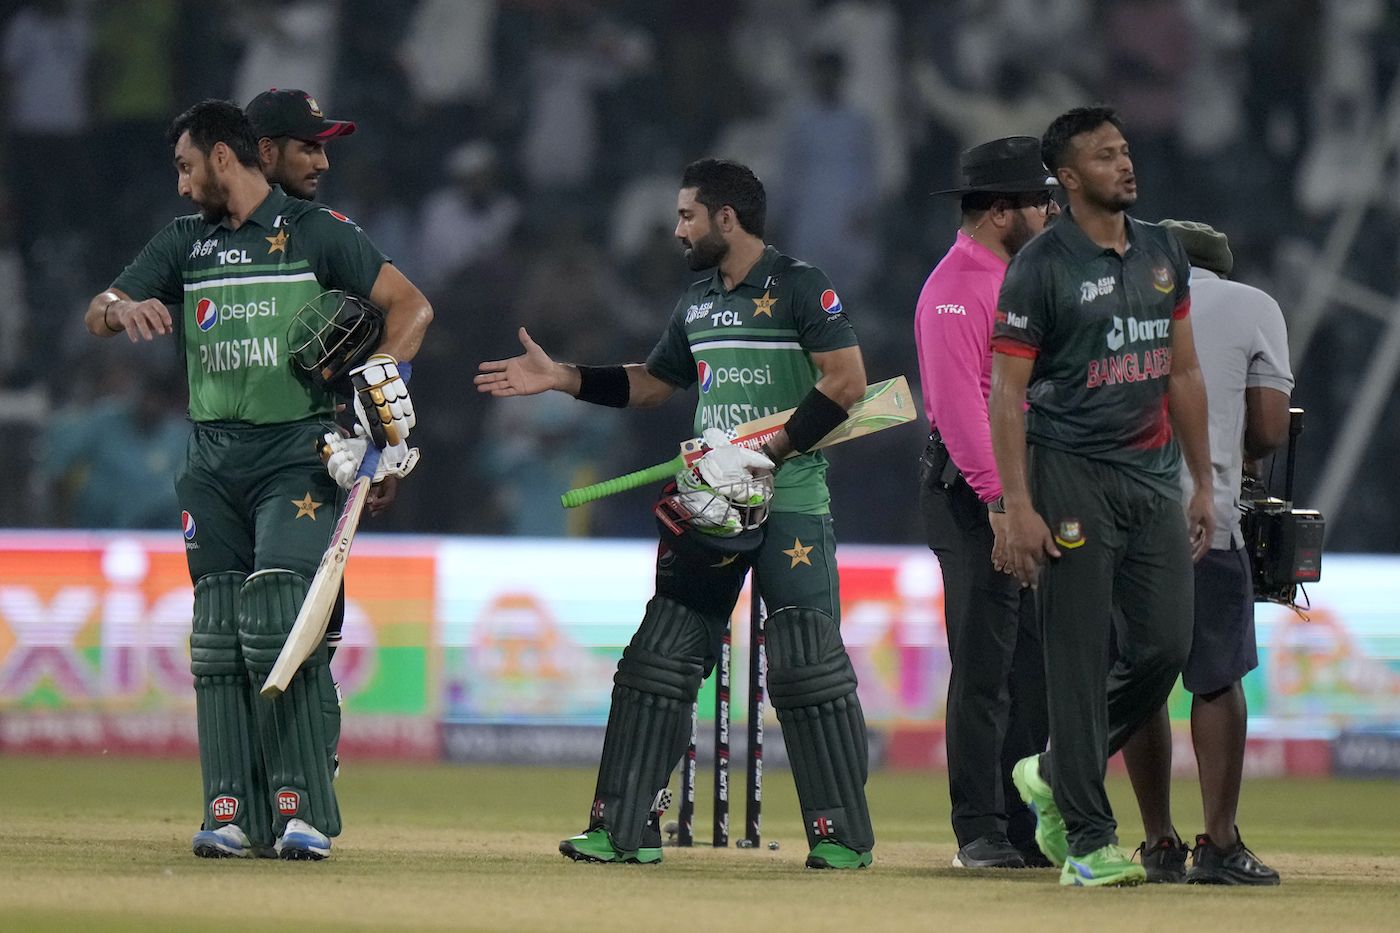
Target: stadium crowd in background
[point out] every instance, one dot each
(1249, 118)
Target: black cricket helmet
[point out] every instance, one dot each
(332, 334)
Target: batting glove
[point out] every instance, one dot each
(381, 400)
(343, 456)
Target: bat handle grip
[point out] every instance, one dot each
(370, 463)
(652, 474)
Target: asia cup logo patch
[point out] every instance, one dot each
(206, 314)
(288, 802)
(1070, 535)
(224, 809)
(831, 302)
(705, 373)
(187, 525)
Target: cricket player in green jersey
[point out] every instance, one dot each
(258, 504)
(761, 334)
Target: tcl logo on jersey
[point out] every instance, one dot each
(831, 302)
(233, 257)
(710, 376)
(224, 808)
(288, 802)
(207, 313)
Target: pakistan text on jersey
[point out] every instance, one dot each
(729, 417)
(1129, 367)
(224, 355)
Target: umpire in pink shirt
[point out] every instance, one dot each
(996, 693)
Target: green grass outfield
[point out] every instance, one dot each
(99, 844)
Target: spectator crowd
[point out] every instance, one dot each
(519, 159)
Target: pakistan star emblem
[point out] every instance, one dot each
(278, 243)
(306, 506)
(764, 305)
(798, 552)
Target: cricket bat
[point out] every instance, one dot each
(315, 614)
(884, 405)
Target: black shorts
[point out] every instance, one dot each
(1223, 648)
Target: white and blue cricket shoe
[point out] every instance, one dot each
(302, 841)
(225, 842)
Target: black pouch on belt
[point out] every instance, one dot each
(937, 468)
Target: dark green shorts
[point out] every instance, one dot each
(256, 498)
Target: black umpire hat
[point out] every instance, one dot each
(1011, 165)
(289, 112)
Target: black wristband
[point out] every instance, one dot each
(768, 452)
(604, 385)
(813, 420)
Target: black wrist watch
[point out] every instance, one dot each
(997, 505)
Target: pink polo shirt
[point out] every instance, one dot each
(953, 330)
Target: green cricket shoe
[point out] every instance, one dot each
(1051, 835)
(827, 854)
(1106, 867)
(595, 846)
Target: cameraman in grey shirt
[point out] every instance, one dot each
(1242, 345)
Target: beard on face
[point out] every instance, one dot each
(212, 201)
(1110, 200)
(706, 252)
(1017, 235)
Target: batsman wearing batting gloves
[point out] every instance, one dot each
(1094, 318)
(996, 690)
(258, 282)
(761, 334)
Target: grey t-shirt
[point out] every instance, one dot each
(1242, 343)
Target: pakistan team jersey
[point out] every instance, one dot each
(238, 291)
(749, 350)
(1098, 326)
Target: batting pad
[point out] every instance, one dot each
(813, 688)
(649, 722)
(296, 728)
(229, 757)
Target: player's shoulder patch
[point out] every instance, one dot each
(830, 302)
(337, 215)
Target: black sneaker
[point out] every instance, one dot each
(1033, 857)
(1165, 861)
(993, 850)
(1210, 864)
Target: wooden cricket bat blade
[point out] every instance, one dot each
(315, 614)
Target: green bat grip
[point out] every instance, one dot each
(608, 487)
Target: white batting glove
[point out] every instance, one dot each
(381, 400)
(343, 456)
(722, 489)
(724, 463)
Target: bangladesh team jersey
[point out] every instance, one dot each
(749, 351)
(1098, 326)
(238, 291)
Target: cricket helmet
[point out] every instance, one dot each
(332, 334)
